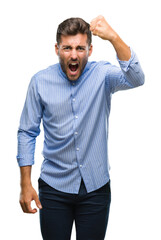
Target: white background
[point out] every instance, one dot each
(28, 30)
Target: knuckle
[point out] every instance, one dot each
(24, 210)
(99, 23)
(21, 201)
(100, 17)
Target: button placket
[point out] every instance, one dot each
(76, 117)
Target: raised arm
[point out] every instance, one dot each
(130, 75)
(102, 29)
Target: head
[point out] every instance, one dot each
(73, 46)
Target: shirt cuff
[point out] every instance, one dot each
(125, 64)
(26, 160)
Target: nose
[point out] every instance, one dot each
(74, 54)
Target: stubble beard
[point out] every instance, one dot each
(65, 67)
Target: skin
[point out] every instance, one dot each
(73, 49)
(99, 27)
(28, 193)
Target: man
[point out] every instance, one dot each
(73, 100)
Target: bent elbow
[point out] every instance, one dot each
(142, 79)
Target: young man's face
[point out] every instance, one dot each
(73, 52)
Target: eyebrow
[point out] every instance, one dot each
(76, 46)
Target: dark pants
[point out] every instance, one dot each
(89, 210)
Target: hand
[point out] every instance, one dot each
(102, 29)
(26, 196)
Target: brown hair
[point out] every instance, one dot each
(73, 26)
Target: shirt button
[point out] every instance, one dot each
(76, 116)
(80, 165)
(76, 133)
(73, 99)
(73, 83)
(77, 149)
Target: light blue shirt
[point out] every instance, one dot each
(75, 117)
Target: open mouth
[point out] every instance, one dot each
(73, 67)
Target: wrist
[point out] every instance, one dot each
(114, 38)
(25, 180)
(25, 183)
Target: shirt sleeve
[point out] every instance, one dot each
(129, 76)
(29, 127)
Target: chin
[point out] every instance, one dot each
(72, 78)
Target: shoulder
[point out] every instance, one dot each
(99, 65)
(46, 72)
(45, 76)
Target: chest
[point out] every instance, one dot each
(62, 100)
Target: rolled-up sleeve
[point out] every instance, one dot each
(129, 76)
(29, 127)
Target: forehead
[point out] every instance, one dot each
(74, 40)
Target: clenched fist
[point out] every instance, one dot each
(102, 29)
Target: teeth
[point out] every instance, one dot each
(73, 64)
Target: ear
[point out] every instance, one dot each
(56, 49)
(90, 50)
